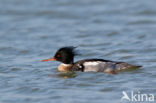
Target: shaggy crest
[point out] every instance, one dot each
(66, 54)
(69, 49)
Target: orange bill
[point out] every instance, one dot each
(50, 59)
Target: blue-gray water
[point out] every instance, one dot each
(32, 30)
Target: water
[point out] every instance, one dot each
(32, 30)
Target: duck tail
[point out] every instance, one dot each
(138, 66)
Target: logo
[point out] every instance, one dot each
(137, 96)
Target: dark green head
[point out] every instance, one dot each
(65, 55)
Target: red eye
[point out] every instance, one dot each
(58, 55)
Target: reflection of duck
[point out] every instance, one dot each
(66, 56)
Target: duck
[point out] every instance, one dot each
(66, 55)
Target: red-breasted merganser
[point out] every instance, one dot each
(66, 56)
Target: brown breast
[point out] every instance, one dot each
(64, 67)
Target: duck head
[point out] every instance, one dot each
(64, 55)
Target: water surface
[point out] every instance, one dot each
(32, 30)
